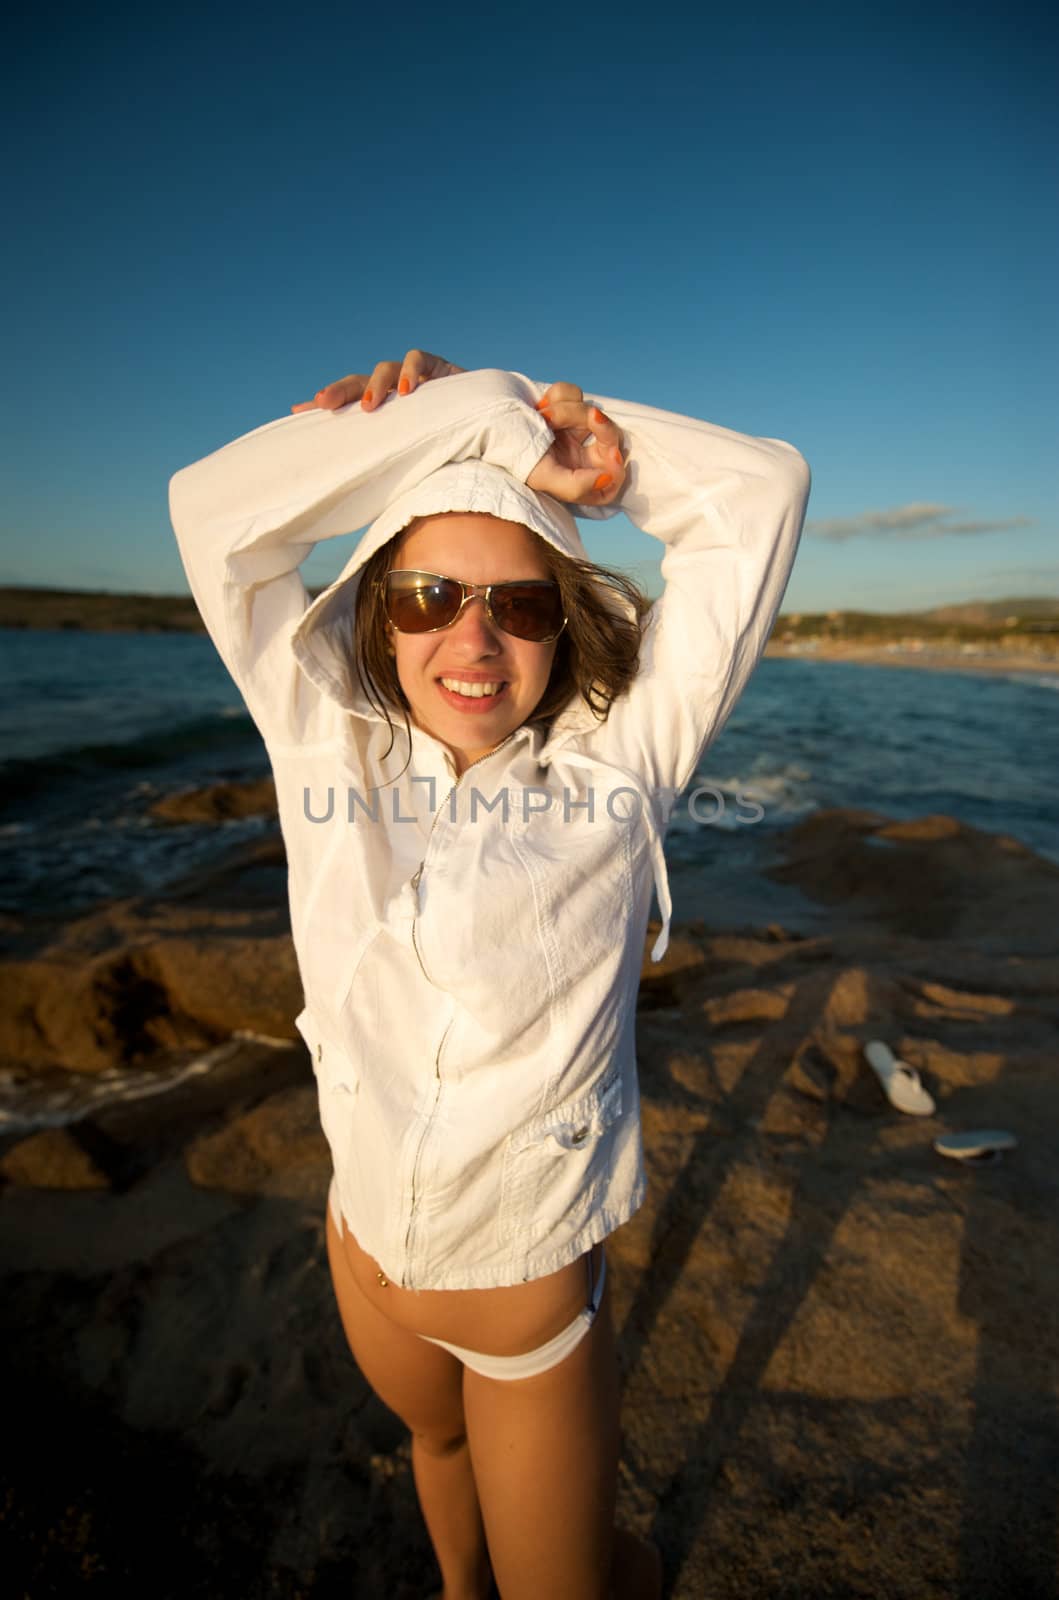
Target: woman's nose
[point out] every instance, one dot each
(474, 631)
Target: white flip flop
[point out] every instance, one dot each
(978, 1144)
(900, 1082)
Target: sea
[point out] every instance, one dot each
(97, 727)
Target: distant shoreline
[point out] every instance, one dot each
(986, 651)
(988, 660)
(69, 610)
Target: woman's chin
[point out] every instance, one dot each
(468, 735)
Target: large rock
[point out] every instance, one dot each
(218, 802)
(837, 1350)
(145, 1000)
(932, 877)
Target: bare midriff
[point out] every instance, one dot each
(509, 1321)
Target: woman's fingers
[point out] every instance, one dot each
(562, 413)
(597, 436)
(559, 391)
(576, 485)
(419, 366)
(607, 448)
(373, 388)
(585, 464)
(342, 392)
(382, 381)
(405, 376)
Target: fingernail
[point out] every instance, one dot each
(542, 405)
(367, 397)
(596, 414)
(604, 481)
(404, 386)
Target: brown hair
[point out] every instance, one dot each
(597, 654)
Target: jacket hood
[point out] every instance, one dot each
(323, 638)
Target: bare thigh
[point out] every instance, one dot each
(545, 1455)
(420, 1382)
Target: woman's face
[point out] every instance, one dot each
(479, 549)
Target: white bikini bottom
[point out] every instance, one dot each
(532, 1361)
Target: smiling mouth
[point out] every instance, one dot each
(472, 694)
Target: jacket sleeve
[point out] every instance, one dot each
(246, 516)
(729, 510)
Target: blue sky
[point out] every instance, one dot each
(833, 225)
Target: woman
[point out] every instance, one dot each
(477, 739)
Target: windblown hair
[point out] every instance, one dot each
(596, 657)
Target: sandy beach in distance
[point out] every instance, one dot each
(971, 658)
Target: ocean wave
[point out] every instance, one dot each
(1034, 681)
(56, 1097)
(731, 802)
(24, 777)
(63, 867)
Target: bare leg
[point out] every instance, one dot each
(448, 1500)
(545, 1452)
(423, 1385)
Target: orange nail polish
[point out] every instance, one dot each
(604, 481)
(542, 405)
(367, 397)
(404, 386)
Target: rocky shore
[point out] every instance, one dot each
(839, 1350)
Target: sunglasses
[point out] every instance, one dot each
(424, 602)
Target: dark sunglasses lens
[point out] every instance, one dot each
(528, 610)
(418, 602)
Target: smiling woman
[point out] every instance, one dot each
(444, 674)
(559, 633)
(470, 975)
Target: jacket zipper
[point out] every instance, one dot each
(419, 1150)
(419, 870)
(441, 1043)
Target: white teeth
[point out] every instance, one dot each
(474, 690)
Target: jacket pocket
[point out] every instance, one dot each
(337, 1083)
(557, 1165)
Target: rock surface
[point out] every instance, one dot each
(839, 1351)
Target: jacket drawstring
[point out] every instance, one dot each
(654, 837)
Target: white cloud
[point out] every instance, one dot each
(1048, 571)
(916, 521)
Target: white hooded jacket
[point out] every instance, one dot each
(470, 949)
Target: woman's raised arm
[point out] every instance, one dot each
(246, 516)
(729, 509)
(584, 464)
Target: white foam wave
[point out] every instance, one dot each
(730, 802)
(30, 1102)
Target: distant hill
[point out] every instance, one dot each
(962, 624)
(99, 612)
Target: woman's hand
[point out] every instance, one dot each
(574, 470)
(404, 376)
